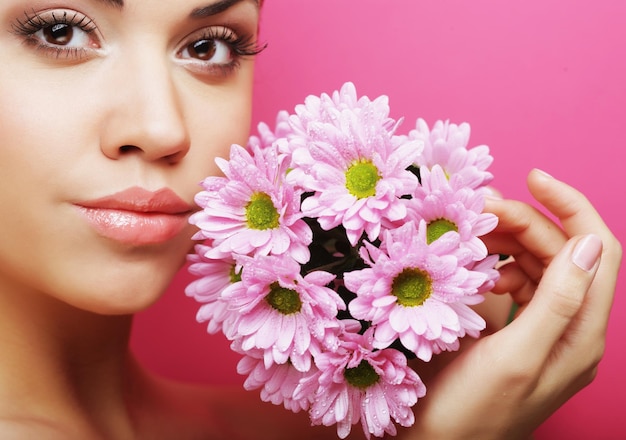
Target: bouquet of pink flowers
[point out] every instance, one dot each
(335, 250)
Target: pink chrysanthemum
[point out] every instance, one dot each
(281, 312)
(352, 162)
(446, 145)
(488, 267)
(326, 108)
(266, 136)
(397, 219)
(357, 383)
(277, 382)
(252, 210)
(445, 208)
(416, 291)
(215, 275)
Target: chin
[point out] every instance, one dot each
(120, 299)
(122, 287)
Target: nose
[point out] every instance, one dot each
(145, 116)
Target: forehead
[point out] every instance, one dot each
(193, 9)
(216, 5)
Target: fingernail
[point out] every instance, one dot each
(544, 173)
(492, 197)
(587, 252)
(491, 193)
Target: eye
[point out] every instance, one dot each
(62, 34)
(58, 33)
(216, 51)
(207, 49)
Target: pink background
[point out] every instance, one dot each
(542, 82)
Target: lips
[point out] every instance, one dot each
(137, 216)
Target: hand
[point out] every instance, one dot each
(507, 383)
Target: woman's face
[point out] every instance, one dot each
(111, 113)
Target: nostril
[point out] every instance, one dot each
(125, 150)
(174, 157)
(128, 148)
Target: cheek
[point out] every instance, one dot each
(218, 121)
(48, 149)
(48, 138)
(42, 128)
(29, 156)
(39, 140)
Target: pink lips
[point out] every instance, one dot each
(137, 216)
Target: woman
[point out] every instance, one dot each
(110, 111)
(107, 182)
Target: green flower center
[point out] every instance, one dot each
(261, 213)
(234, 275)
(437, 228)
(412, 287)
(286, 301)
(361, 376)
(361, 179)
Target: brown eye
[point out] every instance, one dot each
(208, 50)
(202, 49)
(59, 34)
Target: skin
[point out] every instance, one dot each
(128, 110)
(130, 105)
(513, 379)
(87, 110)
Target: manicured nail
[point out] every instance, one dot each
(544, 173)
(587, 252)
(492, 197)
(491, 193)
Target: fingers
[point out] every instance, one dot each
(568, 303)
(572, 208)
(530, 237)
(529, 230)
(559, 297)
(533, 238)
(514, 281)
(536, 232)
(578, 217)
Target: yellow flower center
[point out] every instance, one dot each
(361, 179)
(286, 301)
(362, 376)
(437, 228)
(412, 287)
(234, 275)
(261, 213)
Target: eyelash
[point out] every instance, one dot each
(239, 46)
(35, 22)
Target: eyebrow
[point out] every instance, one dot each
(115, 3)
(206, 11)
(213, 8)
